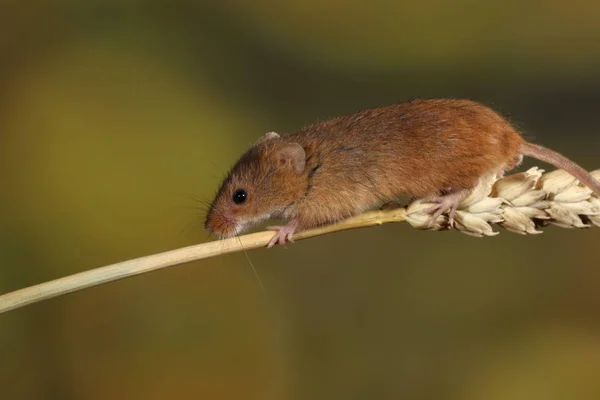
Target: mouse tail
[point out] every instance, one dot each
(558, 160)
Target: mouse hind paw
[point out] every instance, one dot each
(446, 203)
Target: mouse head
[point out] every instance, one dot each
(266, 180)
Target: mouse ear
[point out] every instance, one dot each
(268, 136)
(293, 154)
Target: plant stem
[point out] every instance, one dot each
(142, 265)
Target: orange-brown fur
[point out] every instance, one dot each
(419, 148)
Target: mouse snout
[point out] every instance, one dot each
(221, 224)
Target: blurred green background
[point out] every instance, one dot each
(115, 114)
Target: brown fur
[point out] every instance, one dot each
(361, 161)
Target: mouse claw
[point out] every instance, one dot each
(440, 209)
(284, 235)
(436, 211)
(447, 203)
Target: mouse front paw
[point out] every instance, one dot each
(284, 234)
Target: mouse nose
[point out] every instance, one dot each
(220, 224)
(210, 222)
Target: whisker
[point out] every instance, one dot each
(199, 210)
(262, 288)
(187, 228)
(191, 208)
(214, 163)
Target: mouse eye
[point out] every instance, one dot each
(240, 196)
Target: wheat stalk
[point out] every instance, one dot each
(519, 203)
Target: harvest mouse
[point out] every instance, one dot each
(325, 172)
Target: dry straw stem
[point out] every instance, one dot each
(519, 203)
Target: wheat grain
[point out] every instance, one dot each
(520, 203)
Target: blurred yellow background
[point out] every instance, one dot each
(114, 115)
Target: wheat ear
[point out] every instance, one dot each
(519, 203)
